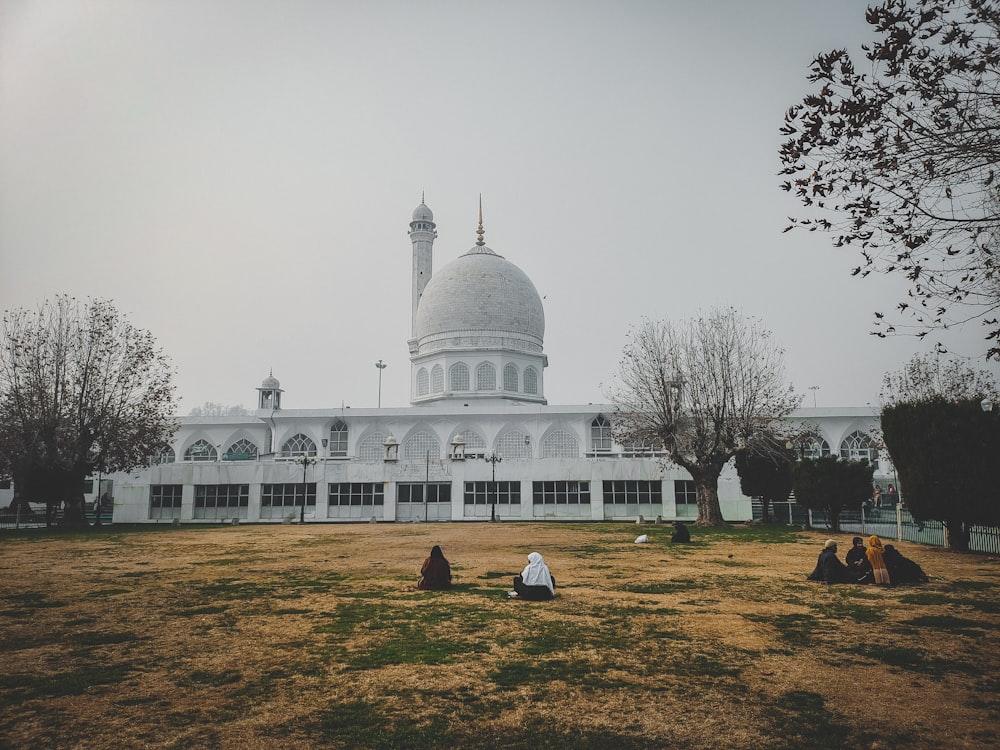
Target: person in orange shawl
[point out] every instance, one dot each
(435, 573)
(876, 558)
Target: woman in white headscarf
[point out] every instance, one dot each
(535, 582)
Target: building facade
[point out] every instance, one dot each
(479, 440)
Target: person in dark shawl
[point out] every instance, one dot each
(857, 561)
(829, 568)
(681, 533)
(535, 582)
(902, 569)
(435, 573)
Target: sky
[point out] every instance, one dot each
(238, 176)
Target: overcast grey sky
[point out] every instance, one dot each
(239, 175)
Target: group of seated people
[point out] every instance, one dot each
(878, 564)
(535, 583)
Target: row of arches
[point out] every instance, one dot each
(245, 449)
(459, 379)
(513, 444)
(857, 446)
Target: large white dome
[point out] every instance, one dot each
(481, 292)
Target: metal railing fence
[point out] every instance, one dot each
(889, 523)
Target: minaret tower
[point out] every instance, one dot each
(422, 236)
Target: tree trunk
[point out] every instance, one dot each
(834, 520)
(956, 535)
(74, 515)
(765, 510)
(709, 511)
(20, 501)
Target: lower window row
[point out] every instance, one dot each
(631, 492)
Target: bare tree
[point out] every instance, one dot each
(901, 160)
(703, 389)
(929, 378)
(81, 390)
(212, 409)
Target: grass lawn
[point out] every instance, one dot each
(315, 636)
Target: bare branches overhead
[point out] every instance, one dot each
(899, 158)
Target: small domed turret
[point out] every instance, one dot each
(423, 213)
(269, 393)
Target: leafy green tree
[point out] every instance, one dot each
(899, 157)
(765, 471)
(701, 389)
(832, 484)
(943, 444)
(81, 391)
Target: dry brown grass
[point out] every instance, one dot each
(314, 636)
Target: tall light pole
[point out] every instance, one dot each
(493, 459)
(814, 388)
(305, 460)
(381, 366)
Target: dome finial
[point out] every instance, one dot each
(479, 232)
(422, 197)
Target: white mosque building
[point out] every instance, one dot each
(479, 440)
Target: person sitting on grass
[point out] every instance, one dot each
(857, 560)
(681, 533)
(876, 557)
(535, 582)
(902, 569)
(435, 573)
(829, 569)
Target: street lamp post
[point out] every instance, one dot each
(381, 366)
(814, 388)
(305, 460)
(493, 459)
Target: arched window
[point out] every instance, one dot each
(486, 377)
(513, 445)
(422, 382)
(510, 378)
(202, 450)
(162, 455)
(299, 445)
(812, 446)
(372, 447)
(560, 444)
(475, 446)
(530, 380)
(859, 447)
(600, 434)
(437, 379)
(338, 438)
(241, 450)
(421, 446)
(459, 377)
